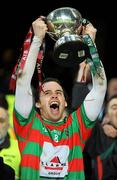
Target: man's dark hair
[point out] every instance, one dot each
(3, 101)
(49, 79)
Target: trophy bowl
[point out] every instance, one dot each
(69, 48)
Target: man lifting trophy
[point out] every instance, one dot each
(64, 27)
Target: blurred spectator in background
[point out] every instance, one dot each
(102, 144)
(8, 57)
(9, 152)
(10, 99)
(111, 90)
(7, 62)
(112, 87)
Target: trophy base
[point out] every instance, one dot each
(70, 53)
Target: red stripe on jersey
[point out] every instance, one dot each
(21, 145)
(76, 165)
(74, 140)
(21, 131)
(37, 137)
(99, 168)
(29, 160)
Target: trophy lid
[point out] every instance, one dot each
(64, 17)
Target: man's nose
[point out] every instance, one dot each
(54, 95)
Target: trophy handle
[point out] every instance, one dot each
(85, 21)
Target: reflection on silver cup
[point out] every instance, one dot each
(69, 48)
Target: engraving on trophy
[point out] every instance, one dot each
(63, 56)
(81, 53)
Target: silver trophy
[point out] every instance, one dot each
(69, 48)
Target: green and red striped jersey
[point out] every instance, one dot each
(52, 150)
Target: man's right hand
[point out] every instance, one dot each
(40, 28)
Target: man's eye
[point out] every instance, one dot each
(59, 93)
(46, 93)
(2, 120)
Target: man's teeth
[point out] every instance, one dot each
(54, 103)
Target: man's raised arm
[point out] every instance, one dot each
(23, 96)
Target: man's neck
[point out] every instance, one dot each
(54, 122)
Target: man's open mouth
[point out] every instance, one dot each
(54, 106)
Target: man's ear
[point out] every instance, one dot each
(65, 103)
(37, 105)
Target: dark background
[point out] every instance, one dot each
(16, 18)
